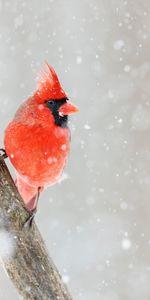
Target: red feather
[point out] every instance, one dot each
(49, 86)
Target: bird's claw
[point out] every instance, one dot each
(32, 212)
(3, 153)
(28, 222)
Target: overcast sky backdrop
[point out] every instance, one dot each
(96, 222)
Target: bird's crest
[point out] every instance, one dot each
(49, 86)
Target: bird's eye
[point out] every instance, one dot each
(51, 103)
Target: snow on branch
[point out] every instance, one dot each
(24, 255)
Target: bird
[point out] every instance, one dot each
(37, 140)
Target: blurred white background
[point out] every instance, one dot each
(96, 222)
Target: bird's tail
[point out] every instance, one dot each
(28, 193)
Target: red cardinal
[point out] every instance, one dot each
(37, 141)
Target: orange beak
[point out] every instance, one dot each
(68, 108)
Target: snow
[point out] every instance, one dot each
(51, 160)
(118, 44)
(65, 278)
(63, 177)
(126, 244)
(63, 147)
(123, 205)
(87, 126)
(79, 60)
(40, 106)
(127, 68)
(7, 245)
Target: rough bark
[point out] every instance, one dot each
(30, 268)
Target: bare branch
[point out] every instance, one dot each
(30, 268)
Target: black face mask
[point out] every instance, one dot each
(54, 106)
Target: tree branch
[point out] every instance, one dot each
(30, 268)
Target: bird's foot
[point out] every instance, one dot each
(33, 203)
(28, 222)
(3, 153)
